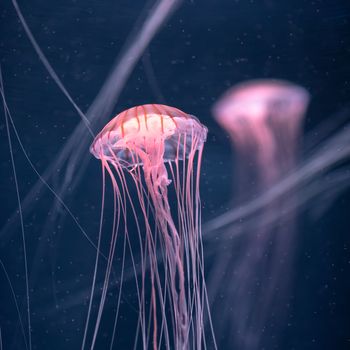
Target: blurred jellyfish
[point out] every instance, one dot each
(158, 145)
(263, 119)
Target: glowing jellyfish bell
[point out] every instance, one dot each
(147, 142)
(149, 134)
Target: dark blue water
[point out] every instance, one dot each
(203, 49)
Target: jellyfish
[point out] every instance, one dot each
(263, 119)
(155, 146)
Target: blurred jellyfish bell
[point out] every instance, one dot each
(263, 119)
(155, 146)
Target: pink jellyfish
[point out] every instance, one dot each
(152, 146)
(263, 119)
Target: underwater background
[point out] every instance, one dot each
(202, 49)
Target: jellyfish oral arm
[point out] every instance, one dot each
(156, 177)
